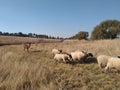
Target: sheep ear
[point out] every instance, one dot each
(60, 50)
(70, 56)
(118, 56)
(90, 54)
(83, 52)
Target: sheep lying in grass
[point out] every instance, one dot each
(102, 60)
(113, 62)
(56, 51)
(62, 57)
(80, 55)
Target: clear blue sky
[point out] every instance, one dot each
(62, 18)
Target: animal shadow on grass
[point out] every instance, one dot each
(90, 60)
(37, 51)
(86, 61)
(113, 70)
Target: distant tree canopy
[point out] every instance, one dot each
(108, 29)
(20, 34)
(81, 35)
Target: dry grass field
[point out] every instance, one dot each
(36, 70)
(13, 40)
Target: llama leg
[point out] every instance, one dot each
(27, 50)
(24, 48)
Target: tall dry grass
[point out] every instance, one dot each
(37, 70)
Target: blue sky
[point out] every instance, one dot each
(63, 18)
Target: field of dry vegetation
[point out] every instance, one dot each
(36, 70)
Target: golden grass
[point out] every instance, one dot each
(36, 70)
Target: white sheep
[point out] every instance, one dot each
(80, 55)
(113, 62)
(62, 57)
(56, 51)
(102, 60)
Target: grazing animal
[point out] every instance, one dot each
(56, 51)
(102, 60)
(62, 57)
(113, 62)
(27, 46)
(80, 55)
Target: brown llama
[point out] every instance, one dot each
(26, 46)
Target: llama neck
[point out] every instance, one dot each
(29, 45)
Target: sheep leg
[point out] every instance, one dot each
(24, 48)
(55, 59)
(100, 65)
(27, 50)
(107, 68)
(64, 60)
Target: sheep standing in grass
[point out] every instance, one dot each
(80, 55)
(113, 62)
(56, 51)
(62, 57)
(102, 60)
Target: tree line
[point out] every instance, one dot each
(109, 29)
(33, 35)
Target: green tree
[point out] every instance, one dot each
(81, 35)
(0, 33)
(108, 29)
(20, 34)
(30, 34)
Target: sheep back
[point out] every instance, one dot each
(102, 60)
(113, 62)
(61, 57)
(77, 55)
(56, 51)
